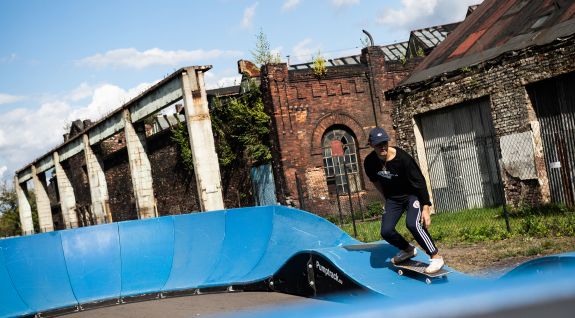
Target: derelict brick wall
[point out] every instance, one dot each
(120, 189)
(503, 80)
(174, 187)
(75, 168)
(303, 106)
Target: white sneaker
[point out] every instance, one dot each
(404, 255)
(435, 264)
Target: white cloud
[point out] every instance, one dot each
(416, 14)
(304, 51)
(26, 133)
(2, 171)
(249, 14)
(8, 59)
(290, 5)
(132, 58)
(223, 78)
(8, 99)
(343, 3)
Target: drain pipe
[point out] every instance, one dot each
(370, 78)
(369, 36)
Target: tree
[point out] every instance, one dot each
(9, 218)
(242, 128)
(262, 54)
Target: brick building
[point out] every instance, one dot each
(320, 123)
(493, 107)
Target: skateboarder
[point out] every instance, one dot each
(398, 178)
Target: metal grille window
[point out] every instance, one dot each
(461, 159)
(340, 162)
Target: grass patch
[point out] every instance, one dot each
(478, 225)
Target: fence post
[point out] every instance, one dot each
(349, 198)
(338, 204)
(299, 193)
(502, 189)
(359, 199)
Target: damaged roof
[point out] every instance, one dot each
(427, 39)
(496, 27)
(348, 60)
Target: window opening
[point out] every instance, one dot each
(340, 162)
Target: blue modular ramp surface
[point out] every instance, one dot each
(274, 247)
(70, 268)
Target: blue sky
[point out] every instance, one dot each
(62, 60)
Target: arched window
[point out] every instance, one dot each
(340, 161)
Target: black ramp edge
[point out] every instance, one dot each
(313, 275)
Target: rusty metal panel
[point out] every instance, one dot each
(460, 151)
(554, 103)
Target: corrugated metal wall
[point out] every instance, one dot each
(554, 103)
(461, 159)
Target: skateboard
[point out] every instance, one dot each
(418, 268)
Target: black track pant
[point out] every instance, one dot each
(393, 211)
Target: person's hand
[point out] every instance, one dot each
(425, 216)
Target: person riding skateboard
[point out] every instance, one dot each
(398, 178)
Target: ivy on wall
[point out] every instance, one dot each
(240, 127)
(182, 139)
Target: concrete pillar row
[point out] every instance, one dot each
(24, 209)
(42, 202)
(205, 158)
(66, 192)
(140, 169)
(98, 184)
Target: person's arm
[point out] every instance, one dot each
(379, 188)
(417, 181)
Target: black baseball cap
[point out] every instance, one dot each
(377, 136)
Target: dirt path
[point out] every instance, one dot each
(495, 258)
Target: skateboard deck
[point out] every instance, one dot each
(417, 267)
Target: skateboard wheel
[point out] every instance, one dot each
(428, 281)
(400, 272)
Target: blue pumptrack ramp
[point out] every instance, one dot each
(270, 248)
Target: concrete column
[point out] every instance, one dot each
(67, 197)
(205, 159)
(42, 203)
(24, 209)
(98, 185)
(140, 169)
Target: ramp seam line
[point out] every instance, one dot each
(121, 263)
(267, 245)
(67, 270)
(14, 286)
(173, 256)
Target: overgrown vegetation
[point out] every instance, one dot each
(318, 66)
(262, 54)
(9, 217)
(241, 128)
(477, 225)
(182, 139)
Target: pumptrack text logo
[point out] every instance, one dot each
(328, 272)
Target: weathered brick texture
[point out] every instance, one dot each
(304, 106)
(503, 81)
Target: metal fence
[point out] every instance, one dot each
(470, 177)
